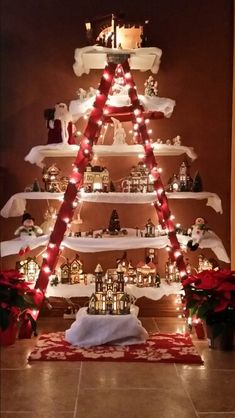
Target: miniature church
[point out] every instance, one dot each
(109, 296)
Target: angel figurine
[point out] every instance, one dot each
(50, 218)
(119, 137)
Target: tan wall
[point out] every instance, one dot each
(39, 39)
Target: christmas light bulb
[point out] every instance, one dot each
(99, 122)
(106, 76)
(140, 155)
(47, 269)
(172, 217)
(44, 255)
(130, 132)
(75, 170)
(66, 220)
(74, 204)
(78, 133)
(86, 151)
(150, 131)
(147, 121)
(139, 119)
(128, 76)
(51, 245)
(72, 180)
(136, 126)
(177, 254)
(168, 248)
(183, 273)
(106, 111)
(137, 112)
(159, 169)
(160, 191)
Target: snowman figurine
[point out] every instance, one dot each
(196, 232)
(28, 230)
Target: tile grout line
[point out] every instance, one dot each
(156, 325)
(78, 389)
(185, 390)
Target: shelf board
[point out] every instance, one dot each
(16, 205)
(38, 153)
(115, 243)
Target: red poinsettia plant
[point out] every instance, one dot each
(210, 295)
(16, 299)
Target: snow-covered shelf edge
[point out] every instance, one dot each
(151, 104)
(81, 290)
(37, 154)
(95, 57)
(114, 243)
(16, 205)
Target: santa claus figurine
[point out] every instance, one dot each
(196, 233)
(60, 125)
(28, 229)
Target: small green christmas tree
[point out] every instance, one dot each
(197, 183)
(114, 223)
(112, 187)
(36, 186)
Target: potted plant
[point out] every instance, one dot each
(210, 295)
(17, 300)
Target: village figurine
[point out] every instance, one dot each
(28, 229)
(196, 232)
(119, 137)
(60, 125)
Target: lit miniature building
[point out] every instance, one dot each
(149, 229)
(29, 268)
(96, 178)
(112, 31)
(204, 264)
(72, 272)
(52, 180)
(139, 180)
(171, 271)
(109, 296)
(181, 182)
(185, 181)
(147, 275)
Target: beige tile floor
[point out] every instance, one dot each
(116, 390)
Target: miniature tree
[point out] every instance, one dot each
(197, 183)
(112, 187)
(114, 223)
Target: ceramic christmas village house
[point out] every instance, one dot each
(96, 178)
(53, 181)
(139, 180)
(29, 268)
(72, 272)
(109, 296)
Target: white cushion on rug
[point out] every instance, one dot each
(91, 330)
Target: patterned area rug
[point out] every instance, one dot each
(160, 347)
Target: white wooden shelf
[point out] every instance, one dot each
(114, 243)
(40, 152)
(16, 205)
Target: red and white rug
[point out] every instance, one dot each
(160, 347)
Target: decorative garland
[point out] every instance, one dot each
(98, 116)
